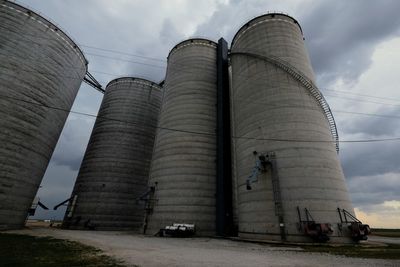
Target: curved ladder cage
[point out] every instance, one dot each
(306, 82)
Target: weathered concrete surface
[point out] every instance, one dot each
(268, 103)
(152, 251)
(114, 171)
(40, 67)
(183, 162)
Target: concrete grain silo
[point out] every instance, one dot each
(41, 68)
(114, 171)
(183, 168)
(285, 150)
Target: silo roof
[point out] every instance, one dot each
(266, 16)
(46, 23)
(135, 79)
(191, 40)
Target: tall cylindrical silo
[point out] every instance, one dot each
(280, 115)
(40, 73)
(114, 171)
(183, 168)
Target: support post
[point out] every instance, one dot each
(224, 217)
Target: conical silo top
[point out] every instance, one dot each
(264, 17)
(134, 79)
(48, 24)
(191, 41)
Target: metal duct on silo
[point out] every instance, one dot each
(183, 168)
(278, 113)
(114, 172)
(40, 73)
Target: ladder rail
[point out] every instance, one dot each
(306, 82)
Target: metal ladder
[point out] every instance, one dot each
(277, 194)
(275, 185)
(307, 83)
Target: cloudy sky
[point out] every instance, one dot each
(354, 48)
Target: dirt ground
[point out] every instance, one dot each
(155, 251)
(384, 239)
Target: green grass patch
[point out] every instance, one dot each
(386, 232)
(359, 251)
(25, 250)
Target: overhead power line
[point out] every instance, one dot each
(204, 133)
(250, 102)
(362, 95)
(117, 75)
(165, 61)
(123, 53)
(127, 60)
(38, 37)
(162, 60)
(362, 100)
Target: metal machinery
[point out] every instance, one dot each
(319, 232)
(36, 203)
(115, 168)
(41, 71)
(357, 229)
(184, 159)
(278, 111)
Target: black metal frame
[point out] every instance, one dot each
(62, 203)
(90, 80)
(345, 215)
(224, 216)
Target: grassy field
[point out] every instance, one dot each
(386, 232)
(24, 250)
(390, 251)
(358, 251)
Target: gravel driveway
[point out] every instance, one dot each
(156, 251)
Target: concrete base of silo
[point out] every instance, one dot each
(295, 234)
(300, 238)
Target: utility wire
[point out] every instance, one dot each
(116, 75)
(309, 107)
(163, 67)
(173, 66)
(242, 102)
(362, 95)
(201, 133)
(368, 114)
(38, 37)
(362, 100)
(127, 60)
(252, 102)
(123, 53)
(164, 61)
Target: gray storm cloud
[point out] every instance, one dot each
(341, 35)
